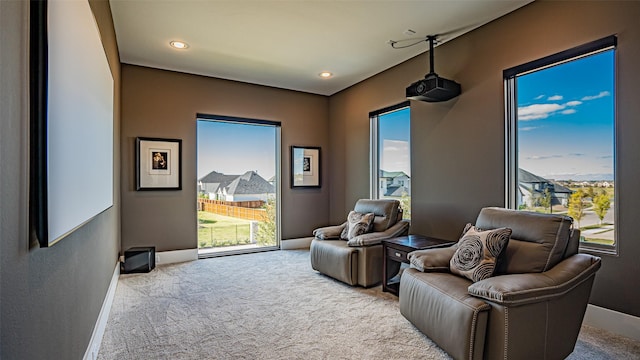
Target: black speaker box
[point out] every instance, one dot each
(139, 260)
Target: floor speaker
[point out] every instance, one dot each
(139, 260)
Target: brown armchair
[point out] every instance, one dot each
(358, 261)
(531, 309)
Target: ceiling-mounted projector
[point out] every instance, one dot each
(433, 88)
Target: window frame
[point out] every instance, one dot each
(277, 125)
(511, 126)
(374, 153)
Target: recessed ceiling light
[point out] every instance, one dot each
(179, 45)
(325, 74)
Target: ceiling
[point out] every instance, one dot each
(286, 44)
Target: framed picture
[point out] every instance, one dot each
(305, 166)
(158, 164)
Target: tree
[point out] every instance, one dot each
(545, 199)
(577, 205)
(601, 205)
(266, 235)
(405, 204)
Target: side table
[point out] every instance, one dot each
(395, 253)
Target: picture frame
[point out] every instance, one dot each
(158, 164)
(305, 167)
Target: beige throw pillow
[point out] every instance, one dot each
(478, 252)
(357, 224)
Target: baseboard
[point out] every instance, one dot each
(291, 244)
(176, 256)
(613, 321)
(103, 317)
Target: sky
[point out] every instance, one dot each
(233, 149)
(393, 131)
(565, 119)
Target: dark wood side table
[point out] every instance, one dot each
(395, 252)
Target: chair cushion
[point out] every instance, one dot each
(357, 224)
(538, 241)
(385, 210)
(478, 252)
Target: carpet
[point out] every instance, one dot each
(272, 305)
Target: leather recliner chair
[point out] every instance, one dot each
(359, 260)
(531, 309)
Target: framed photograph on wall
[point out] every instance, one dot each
(305, 166)
(158, 164)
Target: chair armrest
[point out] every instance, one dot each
(398, 229)
(430, 260)
(329, 232)
(520, 289)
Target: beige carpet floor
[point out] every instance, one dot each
(272, 305)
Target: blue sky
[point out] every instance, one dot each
(393, 130)
(233, 149)
(565, 119)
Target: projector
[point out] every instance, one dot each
(433, 89)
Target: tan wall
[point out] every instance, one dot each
(49, 298)
(457, 147)
(164, 104)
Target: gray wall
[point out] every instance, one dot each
(457, 147)
(49, 298)
(157, 103)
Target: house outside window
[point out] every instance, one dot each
(390, 155)
(560, 136)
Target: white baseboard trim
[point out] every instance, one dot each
(103, 317)
(291, 244)
(176, 256)
(613, 321)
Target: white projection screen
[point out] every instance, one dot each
(79, 120)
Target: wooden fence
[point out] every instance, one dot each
(238, 209)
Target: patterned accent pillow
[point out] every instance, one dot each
(478, 252)
(357, 224)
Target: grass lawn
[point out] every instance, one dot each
(218, 230)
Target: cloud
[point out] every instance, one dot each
(593, 97)
(538, 111)
(543, 111)
(577, 154)
(528, 128)
(543, 157)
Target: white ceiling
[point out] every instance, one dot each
(286, 44)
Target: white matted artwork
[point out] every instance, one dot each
(158, 164)
(305, 166)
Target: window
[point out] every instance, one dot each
(390, 155)
(238, 185)
(560, 132)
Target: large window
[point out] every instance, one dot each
(561, 139)
(390, 155)
(238, 185)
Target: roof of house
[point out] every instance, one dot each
(250, 183)
(392, 174)
(215, 180)
(526, 177)
(216, 177)
(396, 191)
(561, 189)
